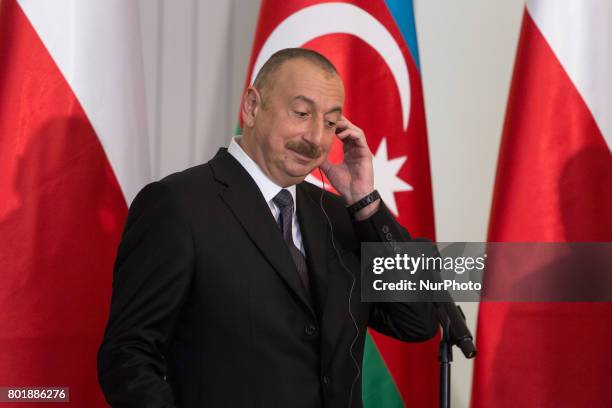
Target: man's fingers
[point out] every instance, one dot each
(346, 133)
(351, 133)
(352, 138)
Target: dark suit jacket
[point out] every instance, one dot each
(207, 308)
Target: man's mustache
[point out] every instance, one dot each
(304, 148)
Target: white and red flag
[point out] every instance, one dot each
(373, 46)
(554, 184)
(73, 153)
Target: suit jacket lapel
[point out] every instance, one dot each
(248, 205)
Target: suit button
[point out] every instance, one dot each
(310, 329)
(326, 379)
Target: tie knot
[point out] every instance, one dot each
(283, 199)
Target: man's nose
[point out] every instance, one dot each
(316, 132)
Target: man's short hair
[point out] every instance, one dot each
(280, 57)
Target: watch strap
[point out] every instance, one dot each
(364, 202)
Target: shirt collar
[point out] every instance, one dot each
(268, 188)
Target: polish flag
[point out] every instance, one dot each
(73, 154)
(554, 184)
(373, 45)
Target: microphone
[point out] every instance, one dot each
(450, 315)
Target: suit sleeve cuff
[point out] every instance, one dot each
(380, 227)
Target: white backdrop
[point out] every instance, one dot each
(196, 54)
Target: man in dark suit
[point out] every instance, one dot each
(234, 279)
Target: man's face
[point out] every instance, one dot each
(292, 132)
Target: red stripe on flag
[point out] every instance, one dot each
(555, 169)
(553, 184)
(61, 214)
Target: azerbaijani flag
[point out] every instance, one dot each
(373, 45)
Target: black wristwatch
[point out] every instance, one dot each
(364, 202)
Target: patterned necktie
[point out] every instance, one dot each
(284, 201)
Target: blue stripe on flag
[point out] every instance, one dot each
(403, 13)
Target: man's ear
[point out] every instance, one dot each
(251, 102)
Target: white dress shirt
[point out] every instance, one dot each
(268, 188)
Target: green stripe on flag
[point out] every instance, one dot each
(379, 390)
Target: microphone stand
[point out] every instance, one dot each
(454, 332)
(445, 356)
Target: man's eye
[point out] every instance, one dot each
(331, 124)
(301, 114)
